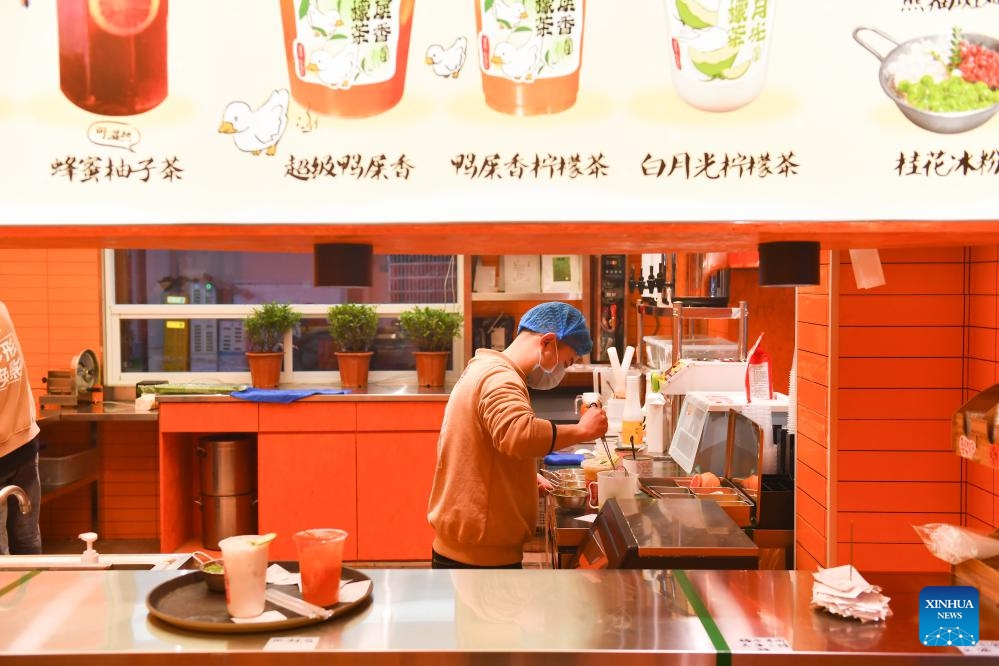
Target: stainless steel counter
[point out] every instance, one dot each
(424, 616)
(374, 392)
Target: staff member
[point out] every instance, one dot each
(18, 445)
(483, 505)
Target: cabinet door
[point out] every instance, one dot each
(306, 480)
(394, 474)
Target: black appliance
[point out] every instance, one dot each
(609, 305)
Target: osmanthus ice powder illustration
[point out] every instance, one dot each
(347, 57)
(113, 54)
(719, 50)
(530, 53)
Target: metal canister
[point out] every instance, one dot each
(228, 464)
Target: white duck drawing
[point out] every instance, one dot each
(336, 71)
(509, 14)
(324, 23)
(257, 130)
(520, 64)
(447, 62)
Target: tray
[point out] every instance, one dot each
(186, 602)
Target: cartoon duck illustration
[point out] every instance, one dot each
(520, 64)
(509, 14)
(324, 22)
(257, 130)
(447, 62)
(336, 71)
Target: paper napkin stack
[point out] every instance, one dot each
(843, 591)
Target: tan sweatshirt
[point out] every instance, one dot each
(484, 501)
(17, 404)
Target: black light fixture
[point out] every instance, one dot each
(342, 264)
(789, 263)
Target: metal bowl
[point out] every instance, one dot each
(213, 573)
(934, 121)
(571, 499)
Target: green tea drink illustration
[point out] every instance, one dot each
(113, 54)
(530, 53)
(347, 57)
(719, 50)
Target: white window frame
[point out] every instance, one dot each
(115, 313)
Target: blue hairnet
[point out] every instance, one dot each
(566, 322)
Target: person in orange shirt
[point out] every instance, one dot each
(483, 505)
(19, 533)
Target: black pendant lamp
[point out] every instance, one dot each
(342, 264)
(789, 263)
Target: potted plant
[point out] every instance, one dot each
(352, 327)
(432, 331)
(265, 330)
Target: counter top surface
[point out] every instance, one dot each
(437, 616)
(373, 392)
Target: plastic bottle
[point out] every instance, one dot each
(655, 403)
(89, 556)
(632, 421)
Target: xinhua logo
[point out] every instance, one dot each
(948, 615)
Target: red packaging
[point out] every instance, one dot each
(759, 378)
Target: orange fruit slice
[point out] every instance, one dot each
(123, 17)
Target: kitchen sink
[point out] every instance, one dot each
(71, 561)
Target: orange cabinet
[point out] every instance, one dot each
(306, 480)
(394, 474)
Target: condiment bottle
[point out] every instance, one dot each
(632, 426)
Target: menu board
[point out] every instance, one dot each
(382, 111)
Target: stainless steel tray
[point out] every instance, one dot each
(186, 602)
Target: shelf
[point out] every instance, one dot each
(526, 296)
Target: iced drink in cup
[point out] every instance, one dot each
(245, 558)
(320, 559)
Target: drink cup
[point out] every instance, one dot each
(113, 54)
(612, 483)
(530, 54)
(718, 55)
(637, 465)
(320, 559)
(586, 400)
(347, 58)
(245, 574)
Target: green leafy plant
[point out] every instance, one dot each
(431, 329)
(352, 326)
(267, 324)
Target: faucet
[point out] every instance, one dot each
(18, 492)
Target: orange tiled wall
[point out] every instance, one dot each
(981, 498)
(54, 297)
(894, 374)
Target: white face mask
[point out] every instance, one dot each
(543, 379)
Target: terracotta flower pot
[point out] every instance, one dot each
(431, 367)
(354, 368)
(265, 368)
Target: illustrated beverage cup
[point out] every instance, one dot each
(719, 50)
(113, 54)
(245, 574)
(530, 54)
(320, 559)
(347, 57)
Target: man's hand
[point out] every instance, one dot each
(594, 422)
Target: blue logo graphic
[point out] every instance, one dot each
(948, 615)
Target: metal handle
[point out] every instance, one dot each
(856, 37)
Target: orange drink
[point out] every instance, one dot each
(347, 58)
(320, 560)
(113, 54)
(530, 54)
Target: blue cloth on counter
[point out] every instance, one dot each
(564, 459)
(282, 395)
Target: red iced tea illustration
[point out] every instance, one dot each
(113, 54)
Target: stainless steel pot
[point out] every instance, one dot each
(942, 122)
(228, 464)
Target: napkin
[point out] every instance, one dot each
(266, 616)
(843, 591)
(278, 575)
(282, 395)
